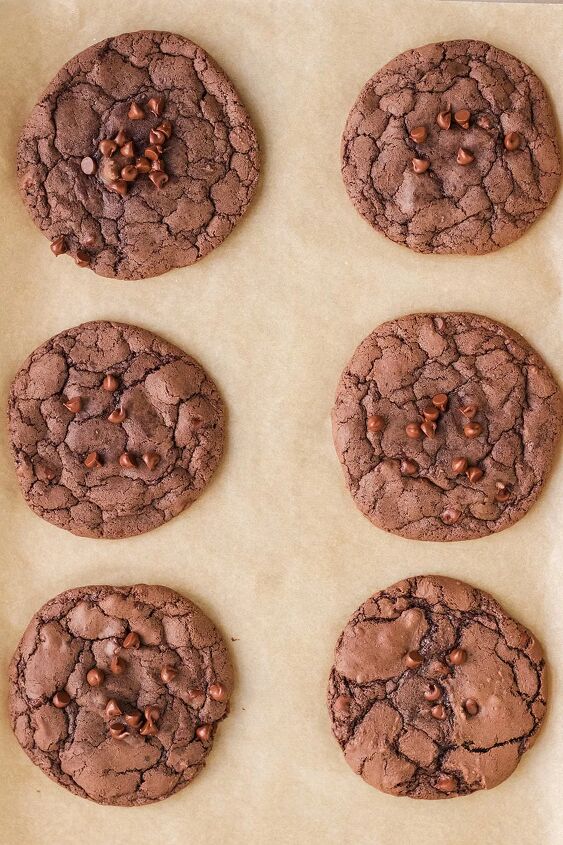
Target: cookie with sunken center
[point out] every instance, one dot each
(452, 148)
(435, 691)
(116, 692)
(207, 162)
(114, 431)
(483, 413)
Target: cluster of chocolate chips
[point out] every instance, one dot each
(433, 694)
(124, 720)
(127, 460)
(462, 118)
(119, 165)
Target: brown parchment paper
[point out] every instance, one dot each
(275, 550)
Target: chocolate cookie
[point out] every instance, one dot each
(446, 426)
(139, 157)
(452, 148)
(114, 431)
(116, 692)
(435, 691)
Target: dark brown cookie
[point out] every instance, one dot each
(446, 426)
(452, 148)
(139, 157)
(435, 691)
(116, 692)
(114, 431)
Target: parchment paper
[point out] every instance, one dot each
(275, 550)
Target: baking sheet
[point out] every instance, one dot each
(275, 550)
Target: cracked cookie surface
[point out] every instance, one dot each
(70, 727)
(489, 440)
(416, 191)
(114, 431)
(435, 691)
(211, 157)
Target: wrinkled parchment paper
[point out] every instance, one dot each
(275, 550)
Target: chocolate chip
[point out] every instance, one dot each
(121, 138)
(431, 413)
(112, 172)
(217, 692)
(95, 677)
(204, 732)
(444, 119)
(342, 705)
(413, 431)
(458, 656)
(157, 136)
(432, 692)
(194, 694)
(73, 405)
(445, 783)
(502, 495)
(88, 166)
(117, 665)
(58, 245)
(419, 134)
(158, 178)
(152, 713)
(471, 707)
(462, 117)
(464, 157)
(474, 474)
(440, 400)
(117, 416)
(149, 729)
(61, 698)
(82, 258)
(469, 410)
(118, 729)
(450, 516)
(151, 459)
(92, 460)
(409, 467)
(107, 147)
(428, 427)
(152, 153)
(375, 423)
(127, 150)
(156, 105)
(512, 141)
(120, 186)
(459, 465)
(110, 383)
(439, 711)
(135, 112)
(420, 165)
(132, 640)
(129, 173)
(484, 121)
(127, 461)
(113, 709)
(143, 165)
(413, 659)
(472, 429)
(165, 127)
(168, 673)
(134, 718)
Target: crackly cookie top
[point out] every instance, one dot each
(452, 148)
(139, 157)
(446, 426)
(114, 431)
(116, 692)
(435, 692)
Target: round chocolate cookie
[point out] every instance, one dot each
(435, 691)
(452, 148)
(116, 692)
(446, 426)
(139, 157)
(114, 431)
